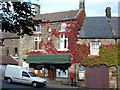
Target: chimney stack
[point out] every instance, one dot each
(37, 10)
(108, 12)
(81, 4)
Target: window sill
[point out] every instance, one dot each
(62, 49)
(37, 32)
(62, 31)
(93, 55)
(38, 50)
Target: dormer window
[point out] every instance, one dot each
(66, 16)
(43, 18)
(94, 48)
(63, 26)
(38, 28)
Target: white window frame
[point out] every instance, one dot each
(37, 29)
(38, 41)
(62, 47)
(94, 48)
(63, 24)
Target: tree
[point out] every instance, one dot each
(17, 17)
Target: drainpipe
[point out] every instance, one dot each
(75, 74)
(116, 67)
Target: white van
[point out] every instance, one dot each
(22, 75)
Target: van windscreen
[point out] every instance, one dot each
(32, 74)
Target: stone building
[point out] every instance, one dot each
(9, 50)
(53, 42)
(97, 31)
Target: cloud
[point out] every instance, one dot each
(97, 8)
(92, 7)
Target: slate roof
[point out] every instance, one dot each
(7, 60)
(58, 16)
(116, 26)
(95, 27)
(7, 35)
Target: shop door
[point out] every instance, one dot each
(51, 72)
(97, 77)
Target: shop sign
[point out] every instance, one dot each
(81, 68)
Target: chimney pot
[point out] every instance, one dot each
(37, 10)
(81, 4)
(108, 12)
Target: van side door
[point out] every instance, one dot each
(25, 78)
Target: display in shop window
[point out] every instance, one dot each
(62, 73)
(46, 72)
(81, 76)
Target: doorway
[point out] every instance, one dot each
(51, 72)
(97, 77)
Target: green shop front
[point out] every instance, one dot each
(51, 66)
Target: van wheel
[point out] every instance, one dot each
(9, 80)
(34, 84)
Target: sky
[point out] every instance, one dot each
(92, 7)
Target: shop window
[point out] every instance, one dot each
(94, 48)
(62, 72)
(37, 43)
(46, 72)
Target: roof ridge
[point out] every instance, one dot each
(59, 12)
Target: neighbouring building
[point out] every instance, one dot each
(97, 31)
(9, 46)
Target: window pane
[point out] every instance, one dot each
(38, 28)
(16, 51)
(94, 48)
(35, 45)
(39, 45)
(65, 36)
(35, 38)
(25, 74)
(61, 36)
(65, 43)
(63, 27)
(61, 44)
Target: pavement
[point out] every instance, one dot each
(54, 84)
(50, 84)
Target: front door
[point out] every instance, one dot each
(97, 77)
(51, 72)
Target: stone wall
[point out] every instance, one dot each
(11, 44)
(46, 34)
(119, 77)
(103, 41)
(112, 78)
(26, 44)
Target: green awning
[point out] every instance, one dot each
(49, 58)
